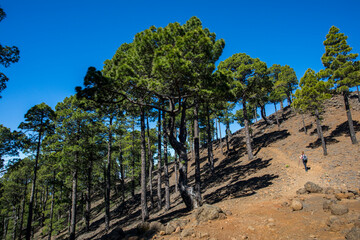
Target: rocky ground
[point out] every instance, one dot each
(265, 198)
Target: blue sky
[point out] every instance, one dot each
(59, 40)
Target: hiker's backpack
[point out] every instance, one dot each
(304, 158)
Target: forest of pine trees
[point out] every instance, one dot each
(155, 103)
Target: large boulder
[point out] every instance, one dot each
(208, 212)
(312, 187)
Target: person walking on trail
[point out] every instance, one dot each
(304, 159)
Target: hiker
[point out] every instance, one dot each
(304, 159)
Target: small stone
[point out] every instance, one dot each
(251, 228)
(187, 232)
(296, 205)
(301, 191)
(312, 187)
(177, 230)
(337, 209)
(162, 233)
(326, 205)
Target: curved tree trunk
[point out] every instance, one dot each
(358, 93)
(319, 131)
(186, 192)
(349, 117)
(144, 209)
(247, 134)
(263, 115)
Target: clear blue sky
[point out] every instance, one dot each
(59, 40)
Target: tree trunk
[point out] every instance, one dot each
(44, 206)
(349, 117)
(319, 131)
(303, 122)
(186, 192)
(247, 135)
(108, 177)
(52, 207)
(166, 167)
(144, 209)
(33, 188)
(263, 115)
(122, 171)
(221, 140)
(227, 137)
(176, 164)
(159, 168)
(73, 201)
(23, 208)
(151, 164)
(216, 130)
(5, 226)
(277, 117)
(133, 160)
(358, 93)
(88, 195)
(197, 152)
(16, 218)
(209, 143)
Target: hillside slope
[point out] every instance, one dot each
(258, 192)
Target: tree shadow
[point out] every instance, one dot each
(309, 126)
(324, 129)
(268, 138)
(240, 188)
(342, 129)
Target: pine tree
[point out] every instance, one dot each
(310, 98)
(339, 65)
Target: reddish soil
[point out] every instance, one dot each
(258, 192)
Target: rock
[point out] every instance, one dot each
(169, 229)
(296, 205)
(301, 191)
(327, 203)
(177, 230)
(187, 232)
(207, 212)
(203, 235)
(174, 224)
(334, 223)
(162, 233)
(354, 234)
(338, 209)
(312, 187)
(143, 227)
(340, 196)
(228, 212)
(156, 226)
(329, 190)
(251, 228)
